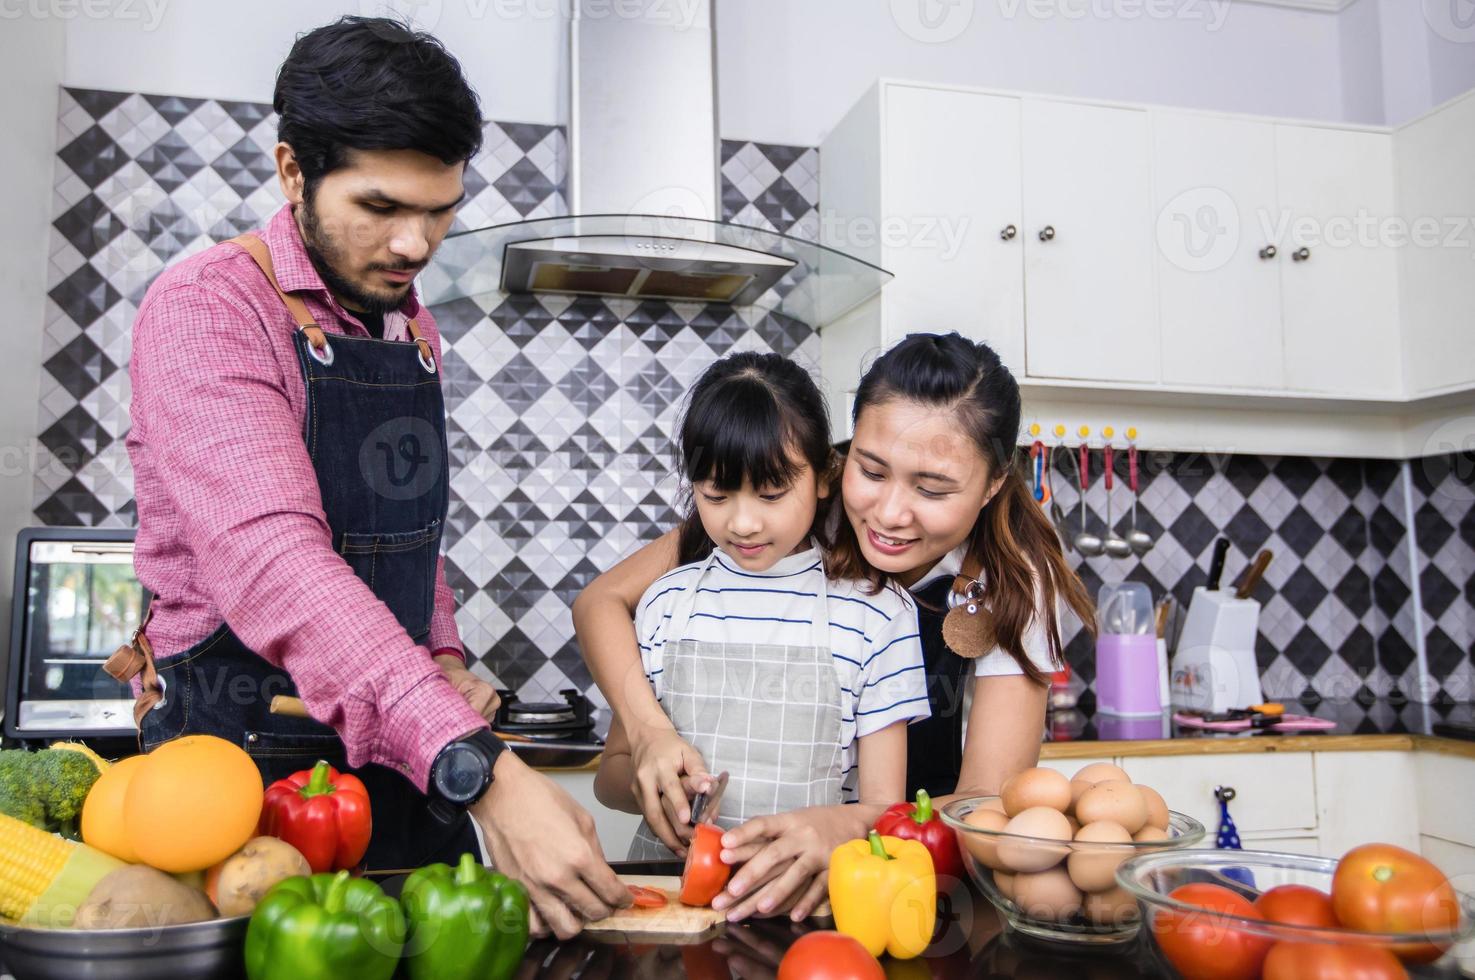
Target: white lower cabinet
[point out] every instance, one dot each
(1274, 794)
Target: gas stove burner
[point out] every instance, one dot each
(546, 721)
(535, 713)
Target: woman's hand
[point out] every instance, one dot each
(667, 773)
(786, 858)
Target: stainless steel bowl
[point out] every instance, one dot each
(213, 950)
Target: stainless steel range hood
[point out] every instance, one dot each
(644, 158)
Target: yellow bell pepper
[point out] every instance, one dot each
(884, 894)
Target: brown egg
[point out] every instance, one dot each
(1047, 895)
(1037, 821)
(1004, 882)
(1112, 907)
(1150, 833)
(1035, 787)
(1100, 772)
(1077, 788)
(1093, 869)
(1115, 801)
(1157, 809)
(982, 847)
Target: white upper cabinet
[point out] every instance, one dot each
(1168, 264)
(1436, 198)
(1088, 278)
(950, 190)
(1218, 268)
(1339, 272)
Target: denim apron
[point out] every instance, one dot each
(375, 430)
(769, 714)
(935, 744)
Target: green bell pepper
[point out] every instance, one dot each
(467, 922)
(325, 927)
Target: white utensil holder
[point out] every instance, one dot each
(1214, 668)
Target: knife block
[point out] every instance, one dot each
(1214, 668)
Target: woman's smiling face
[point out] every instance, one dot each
(913, 487)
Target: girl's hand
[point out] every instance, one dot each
(668, 771)
(786, 858)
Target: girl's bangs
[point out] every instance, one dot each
(738, 433)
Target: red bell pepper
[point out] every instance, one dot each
(918, 821)
(321, 812)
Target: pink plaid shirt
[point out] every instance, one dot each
(230, 521)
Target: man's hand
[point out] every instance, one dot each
(537, 834)
(481, 695)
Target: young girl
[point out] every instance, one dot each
(798, 685)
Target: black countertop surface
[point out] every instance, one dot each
(1382, 716)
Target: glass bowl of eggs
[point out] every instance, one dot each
(1045, 850)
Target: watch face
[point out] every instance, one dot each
(461, 774)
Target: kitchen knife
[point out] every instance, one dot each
(1254, 574)
(1216, 564)
(705, 804)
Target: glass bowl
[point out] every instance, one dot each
(1150, 878)
(1055, 909)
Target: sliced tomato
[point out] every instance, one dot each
(705, 874)
(647, 898)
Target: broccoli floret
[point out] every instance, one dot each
(46, 789)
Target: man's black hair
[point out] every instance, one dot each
(371, 83)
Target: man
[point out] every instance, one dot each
(289, 454)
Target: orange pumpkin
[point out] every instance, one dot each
(193, 803)
(103, 826)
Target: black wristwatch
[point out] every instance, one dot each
(462, 771)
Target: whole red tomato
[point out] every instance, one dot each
(1328, 961)
(1204, 945)
(1382, 888)
(828, 955)
(1297, 905)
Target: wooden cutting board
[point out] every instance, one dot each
(674, 922)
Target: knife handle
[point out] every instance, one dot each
(1255, 573)
(1216, 564)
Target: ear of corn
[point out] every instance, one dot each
(43, 877)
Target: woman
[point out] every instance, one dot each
(930, 496)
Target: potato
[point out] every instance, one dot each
(139, 896)
(238, 883)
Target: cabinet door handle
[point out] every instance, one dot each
(1301, 254)
(1268, 252)
(1008, 233)
(1047, 233)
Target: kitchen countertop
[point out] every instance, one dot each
(1362, 726)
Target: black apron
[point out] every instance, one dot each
(375, 431)
(935, 746)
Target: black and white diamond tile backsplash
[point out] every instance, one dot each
(561, 413)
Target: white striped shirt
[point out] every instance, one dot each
(874, 642)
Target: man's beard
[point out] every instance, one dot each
(326, 257)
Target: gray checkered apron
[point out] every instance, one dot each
(769, 714)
